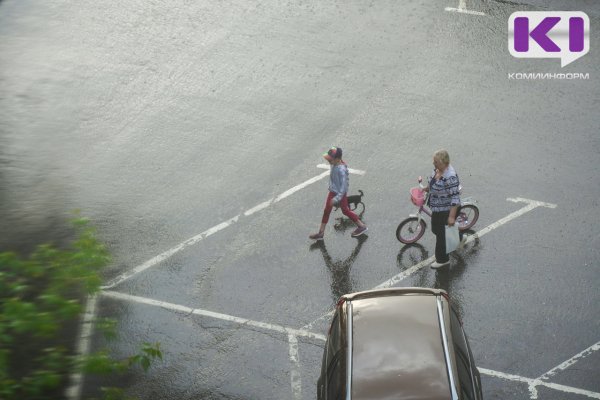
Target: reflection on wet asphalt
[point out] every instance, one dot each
(341, 281)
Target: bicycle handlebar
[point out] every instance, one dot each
(420, 179)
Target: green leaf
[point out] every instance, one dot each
(145, 363)
(39, 296)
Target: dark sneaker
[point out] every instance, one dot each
(359, 231)
(317, 236)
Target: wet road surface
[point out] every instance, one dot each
(165, 121)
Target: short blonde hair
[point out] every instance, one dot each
(442, 156)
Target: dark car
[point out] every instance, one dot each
(398, 343)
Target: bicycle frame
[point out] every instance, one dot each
(424, 209)
(412, 228)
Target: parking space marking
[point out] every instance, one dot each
(293, 335)
(73, 392)
(571, 361)
(163, 256)
(536, 382)
(83, 341)
(351, 170)
(531, 205)
(211, 231)
(295, 375)
(205, 313)
(462, 8)
(532, 383)
(561, 367)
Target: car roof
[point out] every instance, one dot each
(397, 347)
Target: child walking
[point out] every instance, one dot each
(339, 182)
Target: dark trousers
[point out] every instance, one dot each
(439, 220)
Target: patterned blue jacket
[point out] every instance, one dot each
(444, 193)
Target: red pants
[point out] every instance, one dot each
(343, 204)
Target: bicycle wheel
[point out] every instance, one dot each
(467, 217)
(410, 230)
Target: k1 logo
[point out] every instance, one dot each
(552, 34)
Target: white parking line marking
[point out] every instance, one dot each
(300, 186)
(502, 375)
(293, 342)
(294, 333)
(83, 343)
(462, 11)
(536, 382)
(571, 361)
(535, 202)
(258, 208)
(531, 204)
(295, 371)
(462, 8)
(73, 392)
(351, 170)
(205, 313)
(568, 389)
(408, 272)
(195, 239)
(532, 383)
(163, 256)
(322, 317)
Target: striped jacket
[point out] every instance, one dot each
(444, 193)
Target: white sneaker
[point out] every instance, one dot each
(437, 265)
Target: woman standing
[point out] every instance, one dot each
(444, 201)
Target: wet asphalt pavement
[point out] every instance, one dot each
(162, 120)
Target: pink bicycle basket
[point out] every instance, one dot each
(417, 196)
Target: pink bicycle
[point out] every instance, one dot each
(413, 228)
